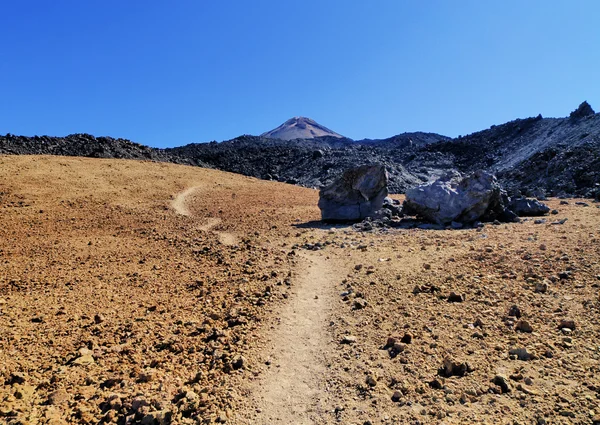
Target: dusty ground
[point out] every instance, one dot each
(137, 292)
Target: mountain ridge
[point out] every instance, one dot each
(531, 156)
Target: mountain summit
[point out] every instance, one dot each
(299, 128)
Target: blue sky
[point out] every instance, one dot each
(166, 73)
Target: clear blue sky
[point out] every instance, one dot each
(166, 73)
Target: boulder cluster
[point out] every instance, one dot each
(454, 199)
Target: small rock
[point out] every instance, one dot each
(554, 212)
(567, 323)
(451, 367)
(514, 311)
(524, 326)
(359, 304)
(455, 298)
(407, 338)
(371, 381)
(238, 362)
(98, 318)
(16, 378)
(397, 396)
(521, 354)
(503, 383)
(567, 413)
(435, 384)
(147, 375)
(348, 339)
(57, 397)
(541, 287)
(139, 402)
(427, 266)
(86, 359)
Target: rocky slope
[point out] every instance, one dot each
(84, 145)
(534, 156)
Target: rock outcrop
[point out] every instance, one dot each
(584, 110)
(455, 198)
(357, 194)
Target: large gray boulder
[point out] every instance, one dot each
(357, 194)
(456, 198)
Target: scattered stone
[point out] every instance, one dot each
(359, 304)
(521, 354)
(455, 298)
(564, 203)
(450, 367)
(238, 362)
(371, 381)
(98, 318)
(514, 311)
(348, 339)
(435, 384)
(582, 204)
(407, 338)
(397, 396)
(84, 360)
(567, 324)
(554, 212)
(524, 326)
(16, 378)
(503, 383)
(57, 397)
(541, 287)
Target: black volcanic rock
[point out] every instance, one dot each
(84, 145)
(531, 157)
(584, 110)
(317, 162)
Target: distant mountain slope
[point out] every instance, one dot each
(299, 128)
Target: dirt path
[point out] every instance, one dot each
(179, 204)
(293, 388)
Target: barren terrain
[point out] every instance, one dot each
(141, 292)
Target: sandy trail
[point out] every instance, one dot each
(293, 389)
(179, 204)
